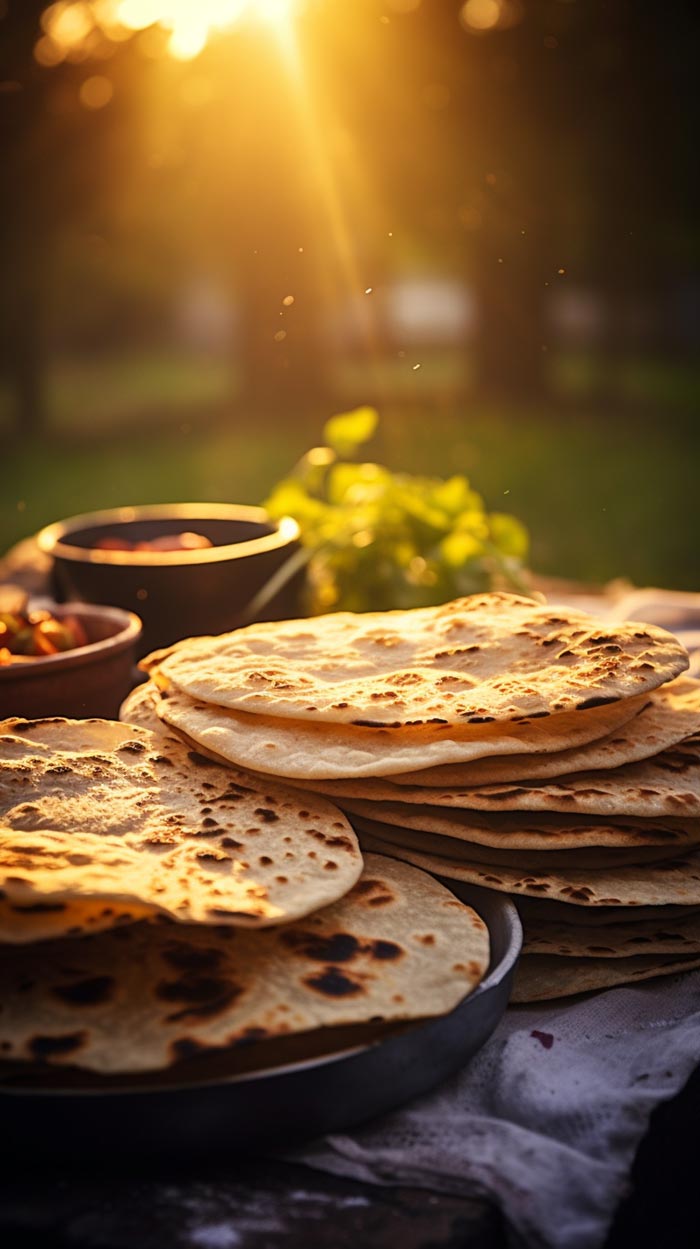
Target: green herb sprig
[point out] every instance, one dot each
(373, 540)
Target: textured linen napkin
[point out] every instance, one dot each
(546, 1119)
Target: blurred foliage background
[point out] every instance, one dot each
(223, 221)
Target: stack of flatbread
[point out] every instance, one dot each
(491, 740)
(158, 908)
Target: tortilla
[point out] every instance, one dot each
(648, 936)
(478, 660)
(521, 860)
(139, 708)
(675, 882)
(27, 919)
(547, 911)
(668, 784)
(94, 809)
(671, 715)
(301, 750)
(209, 1065)
(398, 946)
(539, 977)
(528, 830)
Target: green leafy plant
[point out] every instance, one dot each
(373, 539)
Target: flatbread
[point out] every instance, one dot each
(668, 784)
(301, 750)
(490, 657)
(27, 919)
(671, 715)
(66, 888)
(646, 936)
(398, 946)
(529, 830)
(675, 882)
(539, 977)
(547, 911)
(139, 708)
(522, 860)
(93, 809)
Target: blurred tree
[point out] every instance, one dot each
(553, 147)
(25, 215)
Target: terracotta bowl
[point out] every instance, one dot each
(90, 680)
(176, 593)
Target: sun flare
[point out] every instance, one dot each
(70, 26)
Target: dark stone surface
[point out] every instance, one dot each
(254, 1205)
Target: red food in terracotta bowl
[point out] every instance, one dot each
(69, 659)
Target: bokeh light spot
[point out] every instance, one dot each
(48, 53)
(478, 15)
(96, 92)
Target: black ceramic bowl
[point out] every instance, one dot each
(90, 680)
(176, 593)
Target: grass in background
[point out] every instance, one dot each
(604, 495)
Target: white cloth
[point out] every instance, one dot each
(546, 1119)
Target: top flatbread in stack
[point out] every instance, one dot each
(475, 661)
(378, 694)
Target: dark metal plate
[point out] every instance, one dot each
(282, 1104)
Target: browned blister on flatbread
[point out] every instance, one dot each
(398, 946)
(96, 811)
(474, 661)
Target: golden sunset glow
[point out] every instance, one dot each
(74, 28)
